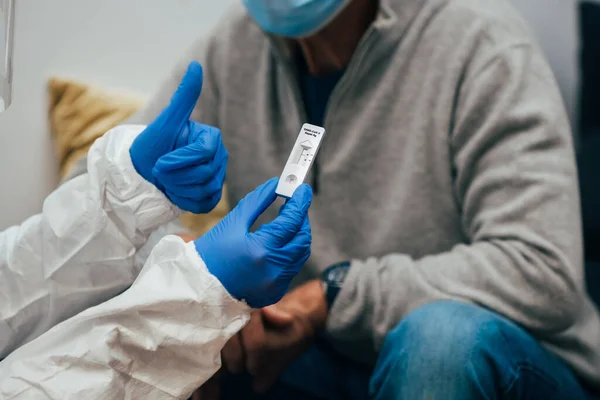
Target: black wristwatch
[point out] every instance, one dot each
(332, 279)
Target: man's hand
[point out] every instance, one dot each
(277, 335)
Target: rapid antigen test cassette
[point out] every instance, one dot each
(300, 160)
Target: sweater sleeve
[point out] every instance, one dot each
(516, 184)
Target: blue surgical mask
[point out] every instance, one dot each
(294, 18)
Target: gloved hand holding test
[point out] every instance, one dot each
(300, 160)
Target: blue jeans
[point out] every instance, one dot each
(444, 350)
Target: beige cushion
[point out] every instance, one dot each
(81, 113)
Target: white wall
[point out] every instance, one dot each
(132, 44)
(129, 44)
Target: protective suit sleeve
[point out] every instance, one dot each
(160, 339)
(80, 251)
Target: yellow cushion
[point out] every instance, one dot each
(81, 113)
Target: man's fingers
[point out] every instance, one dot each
(253, 342)
(277, 317)
(233, 355)
(184, 99)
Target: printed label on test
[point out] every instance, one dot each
(300, 160)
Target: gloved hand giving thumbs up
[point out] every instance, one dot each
(258, 267)
(184, 159)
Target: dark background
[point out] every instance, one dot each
(589, 152)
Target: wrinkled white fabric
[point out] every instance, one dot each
(80, 251)
(160, 339)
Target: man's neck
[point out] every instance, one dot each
(331, 49)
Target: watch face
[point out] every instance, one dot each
(337, 274)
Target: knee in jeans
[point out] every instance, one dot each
(455, 350)
(442, 337)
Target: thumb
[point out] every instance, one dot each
(255, 203)
(275, 316)
(290, 219)
(183, 101)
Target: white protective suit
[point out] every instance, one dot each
(159, 339)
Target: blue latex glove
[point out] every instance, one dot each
(182, 158)
(258, 267)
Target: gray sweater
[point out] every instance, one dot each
(447, 171)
